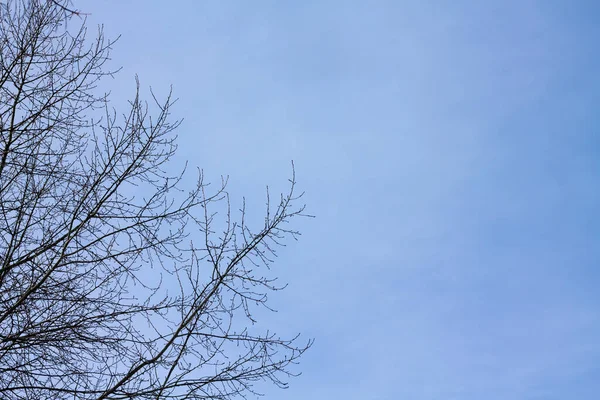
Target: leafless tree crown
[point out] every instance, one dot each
(116, 283)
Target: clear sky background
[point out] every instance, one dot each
(451, 153)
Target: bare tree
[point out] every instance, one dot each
(115, 282)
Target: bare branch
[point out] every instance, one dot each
(116, 282)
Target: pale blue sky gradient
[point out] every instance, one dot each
(451, 153)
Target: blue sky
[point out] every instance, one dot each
(450, 151)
